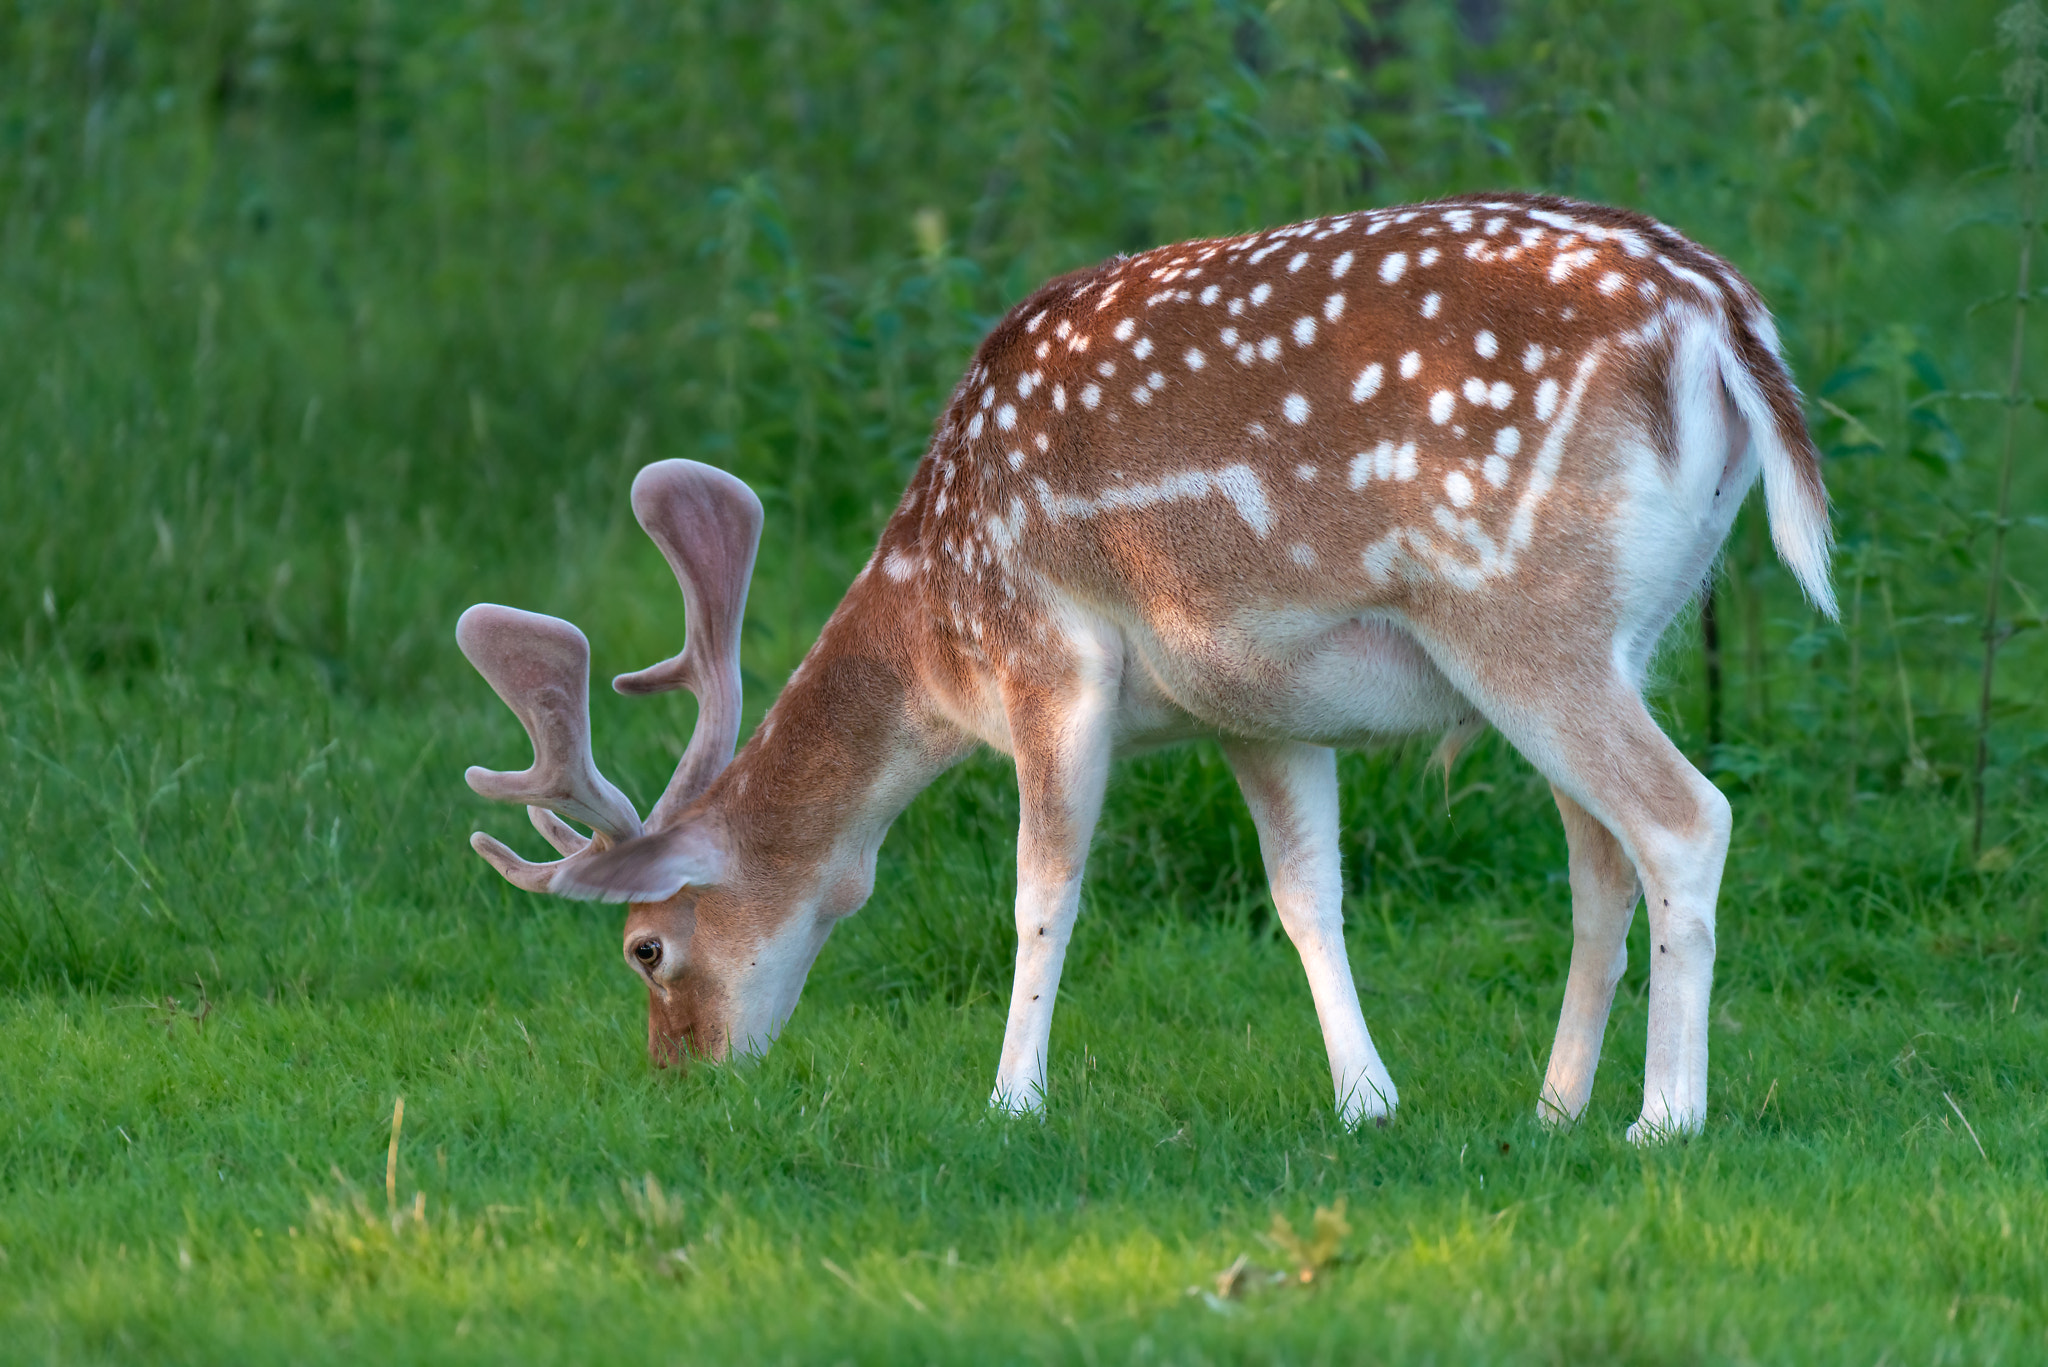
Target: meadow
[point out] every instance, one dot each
(320, 322)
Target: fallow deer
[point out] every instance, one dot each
(1400, 471)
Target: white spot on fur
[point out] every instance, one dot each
(1367, 384)
(1333, 308)
(1006, 416)
(1270, 349)
(1245, 354)
(1195, 359)
(1431, 302)
(1296, 409)
(1459, 488)
(1384, 462)
(1025, 383)
(1340, 266)
(1546, 400)
(1236, 307)
(1300, 260)
(1124, 330)
(1042, 442)
(1211, 293)
(1105, 368)
(1440, 405)
(898, 566)
(1016, 460)
(1475, 390)
(1428, 257)
(1059, 397)
(1141, 394)
(1495, 470)
(1305, 473)
(1091, 396)
(1261, 292)
(1228, 336)
(1411, 364)
(1499, 394)
(1532, 357)
(1392, 265)
(974, 427)
(1303, 556)
(1143, 348)
(1304, 330)
(1507, 441)
(1611, 282)
(1564, 263)
(1486, 344)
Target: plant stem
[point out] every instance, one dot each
(2003, 518)
(1710, 640)
(1916, 762)
(1753, 629)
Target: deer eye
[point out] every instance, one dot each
(648, 952)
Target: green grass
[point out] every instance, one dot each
(191, 1187)
(320, 322)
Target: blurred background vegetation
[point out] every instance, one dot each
(319, 321)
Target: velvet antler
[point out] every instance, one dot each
(708, 526)
(540, 666)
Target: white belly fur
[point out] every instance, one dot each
(1341, 684)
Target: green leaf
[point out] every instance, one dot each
(1925, 370)
(1856, 436)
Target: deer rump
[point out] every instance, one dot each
(1404, 471)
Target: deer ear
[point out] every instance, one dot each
(651, 868)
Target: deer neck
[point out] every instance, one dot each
(852, 739)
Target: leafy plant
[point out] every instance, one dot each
(1316, 1250)
(2024, 29)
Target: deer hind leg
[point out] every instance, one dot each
(1061, 738)
(1292, 792)
(1604, 895)
(1585, 728)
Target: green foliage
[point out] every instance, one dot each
(322, 321)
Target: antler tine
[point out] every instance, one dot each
(708, 525)
(540, 666)
(523, 873)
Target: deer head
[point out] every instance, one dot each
(708, 525)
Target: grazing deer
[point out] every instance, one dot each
(1408, 470)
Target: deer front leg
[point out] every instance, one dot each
(1604, 894)
(1061, 738)
(1292, 792)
